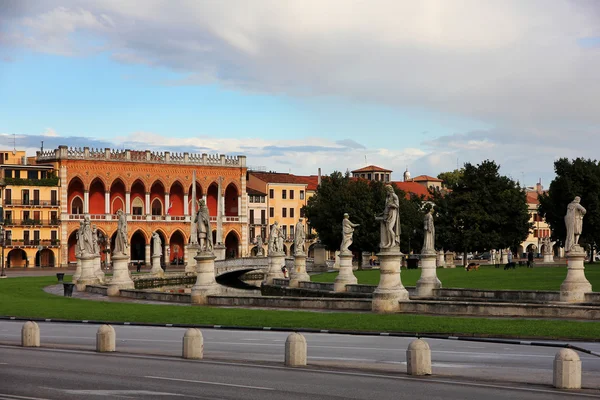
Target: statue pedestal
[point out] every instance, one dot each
(219, 251)
(320, 254)
(98, 269)
(346, 275)
(77, 273)
(276, 261)
(441, 262)
(504, 258)
(156, 269)
(190, 267)
(121, 278)
(575, 285)
(299, 273)
(88, 276)
(206, 284)
(548, 258)
(428, 280)
(449, 260)
(390, 289)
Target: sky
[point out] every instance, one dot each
(305, 84)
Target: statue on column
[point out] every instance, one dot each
(347, 232)
(259, 246)
(274, 241)
(574, 223)
(429, 230)
(203, 228)
(157, 244)
(299, 238)
(390, 220)
(86, 237)
(121, 245)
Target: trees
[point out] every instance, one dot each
(483, 210)
(362, 200)
(451, 178)
(579, 177)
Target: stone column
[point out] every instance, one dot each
(88, 277)
(366, 259)
(77, 273)
(147, 204)
(206, 283)
(299, 274)
(390, 289)
(548, 258)
(167, 202)
(106, 202)
(276, 261)
(575, 285)
(166, 253)
(449, 260)
(504, 257)
(336, 263)
(156, 269)
(127, 203)
(429, 279)
(320, 257)
(86, 202)
(147, 254)
(98, 268)
(191, 250)
(186, 210)
(121, 278)
(346, 275)
(440, 259)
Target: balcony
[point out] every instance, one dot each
(30, 203)
(32, 242)
(31, 222)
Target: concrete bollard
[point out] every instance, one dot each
(30, 334)
(105, 339)
(295, 350)
(193, 344)
(418, 358)
(567, 370)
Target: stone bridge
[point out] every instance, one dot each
(240, 265)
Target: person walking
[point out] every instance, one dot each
(530, 259)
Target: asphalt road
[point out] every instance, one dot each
(450, 359)
(44, 374)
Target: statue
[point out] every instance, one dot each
(573, 222)
(259, 247)
(121, 245)
(347, 231)
(157, 251)
(203, 228)
(390, 220)
(86, 238)
(429, 230)
(299, 238)
(280, 240)
(95, 246)
(547, 244)
(274, 241)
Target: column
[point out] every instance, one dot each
(239, 206)
(86, 202)
(148, 211)
(166, 253)
(127, 202)
(220, 213)
(167, 202)
(186, 210)
(147, 255)
(106, 202)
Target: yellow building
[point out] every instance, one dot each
(541, 229)
(30, 211)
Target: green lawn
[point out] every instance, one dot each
(521, 278)
(24, 297)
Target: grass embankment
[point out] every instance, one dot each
(521, 278)
(24, 297)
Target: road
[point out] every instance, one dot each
(487, 362)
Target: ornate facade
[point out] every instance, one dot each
(155, 191)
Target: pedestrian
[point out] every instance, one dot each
(530, 259)
(284, 270)
(509, 255)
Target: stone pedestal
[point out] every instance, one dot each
(504, 258)
(98, 269)
(428, 280)
(219, 251)
(449, 260)
(77, 273)
(88, 276)
(366, 260)
(346, 275)
(276, 261)
(156, 269)
(298, 273)
(206, 283)
(548, 258)
(441, 262)
(190, 267)
(575, 285)
(121, 278)
(567, 370)
(336, 262)
(390, 289)
(320, 256)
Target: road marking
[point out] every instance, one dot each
(342, 358)
(100, 392)
(12, 396)
(209, 383)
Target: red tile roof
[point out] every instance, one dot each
(254, 192)
(312, 181)
(423, 178)
(413, 187)
(371, 168)
(276, 177)
(532, 197)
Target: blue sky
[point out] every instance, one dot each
(296, 88)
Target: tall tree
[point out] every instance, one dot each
(451, 178)
(581, 178)
(483, 210)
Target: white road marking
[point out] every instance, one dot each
(101, 392)
(341, 358)
(209, 383)
(12, 396)
(3, 363)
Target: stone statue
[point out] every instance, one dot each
(547, 244)
(121, 245)
(259, 246)
(86, 238)
(299, 238)
(203, 228)
(274, 242)
(280, 240)
(157, 251)
(390, 220)
(347, 232)
(429, 231)
(574, 222)
(95, 246)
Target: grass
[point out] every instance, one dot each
(24, 297)
(521, 278)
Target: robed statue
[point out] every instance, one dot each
(347, 232)
(574, 223)
(429, 231)
(390, 220)
(260, 252)
(121, 245)
(157, 244)
(299, 238)
(275, 240)
(85, 243)
(203, 228)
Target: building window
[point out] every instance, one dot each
(284, 194)
(53, 217)
(26, 237)
(54, 237)
(302, 195)
(376, 177)
(262, 217)
(8, 217)
(36, 197)
(262, 199)
(36, 238)
(284, 212)
(8, 173)
(137, 206)
(252, 233)
(252, 217)
(37, 217)
(302, 212)
(284, 230)
(25, 215)
(271, 212)
(263, 232)
(291, 213)
(271, 193)
(25, 196)
(369, 176)
(291, 195)
(32, 174)
(53, 198)
(7, 196)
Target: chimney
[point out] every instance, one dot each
(319, 178)
(538, 186)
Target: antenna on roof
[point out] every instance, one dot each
(42, 149)
(366, 163)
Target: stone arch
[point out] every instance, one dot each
(163, 241)
(76, 205)
(175, 206)
(117, 195)
(531, 247)
(138, 191)
(212, 196)
(17, 258)
(232, 245)
(71, 244)
(156, 206)
(137, 246)
(231, 200)
(177, 242)
(44, 258)
(97, 189)
(75, 189)
(157, 198)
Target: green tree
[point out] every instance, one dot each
(451, 178)
(483, 211)
(581, 178)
